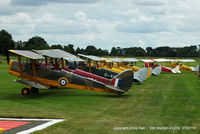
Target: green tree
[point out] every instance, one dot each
(149, 50)
(140, 52)
(70, 48)
(193, 51)
(57, 47)
(6, 42)
(102, 52)
(161, 52)
(82, 51)
(113, 51)
(78, 51)
(91, 50)
(20, 45)
(36, 43)
(119, 51)
(133, 51)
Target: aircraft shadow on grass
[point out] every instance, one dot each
(60, 92)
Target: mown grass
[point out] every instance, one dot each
(166, 100)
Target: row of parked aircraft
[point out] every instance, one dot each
(44, 69)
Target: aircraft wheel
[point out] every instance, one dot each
(25, 91)
(34, 90)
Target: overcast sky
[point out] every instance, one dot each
(104, 23)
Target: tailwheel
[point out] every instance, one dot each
(25, 91)
(34, 90)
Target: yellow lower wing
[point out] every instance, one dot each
(113, 69)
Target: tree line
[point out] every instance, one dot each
(6, 43)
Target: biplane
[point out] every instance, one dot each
(180, 62)
(130, 63)
(148, 67)
(71, 63)
(139, 74)
(59, 57)
(99, 66)
(153, 64)
(114, 64)
(105, 67)
(35, 75)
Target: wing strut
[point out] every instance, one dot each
(89, 62)
(62, 61)
(20, 66)
(81, 64)
(34, 71)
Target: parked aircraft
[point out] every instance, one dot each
(183, 66)
(111, 69)
(152, 63)
(36, 77)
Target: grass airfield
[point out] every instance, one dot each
(168, 100)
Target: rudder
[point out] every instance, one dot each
(123, 80)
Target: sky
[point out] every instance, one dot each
(104, 23)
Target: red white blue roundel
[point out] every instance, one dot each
(63, 81)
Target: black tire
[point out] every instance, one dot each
(25, 91)
(34, 90)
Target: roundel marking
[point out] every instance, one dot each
(63, 81)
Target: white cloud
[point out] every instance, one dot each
(19, 23)
(150, 2)
(129, 12)
(81, 15)
(44, 2)
(104, 23)
(141, 44)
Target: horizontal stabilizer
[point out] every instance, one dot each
(114, 88)
(195, 69)
(108, 86)
(123, 80)
(32, 84)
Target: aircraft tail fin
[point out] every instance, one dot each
(195, 69)
(123, 81)
(141, 75)
(176, 70)
(157, 70)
